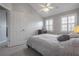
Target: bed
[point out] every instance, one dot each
(48, 45)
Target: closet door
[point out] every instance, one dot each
(2, 26)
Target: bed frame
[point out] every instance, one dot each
(34, 50)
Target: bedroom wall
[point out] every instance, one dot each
(57, 20)
(23, 22)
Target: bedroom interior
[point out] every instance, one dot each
(39, 29)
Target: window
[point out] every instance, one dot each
(68, 23)
(49, 25)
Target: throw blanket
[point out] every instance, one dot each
(63, 38)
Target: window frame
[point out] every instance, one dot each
(69, 23)
(49, 25)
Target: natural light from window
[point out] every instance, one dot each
(49, 24)
(68, 23)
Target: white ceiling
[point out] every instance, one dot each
(60, 7)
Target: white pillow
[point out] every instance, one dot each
(74, 35)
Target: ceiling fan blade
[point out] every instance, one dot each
(42, 6)
(48, 4)
(50, 7)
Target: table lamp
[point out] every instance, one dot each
(76, 29)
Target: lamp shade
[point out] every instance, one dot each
(76, 29)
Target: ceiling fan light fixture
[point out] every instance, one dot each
(45, 9)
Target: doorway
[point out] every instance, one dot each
(3, 27)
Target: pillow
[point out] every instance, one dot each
(74, 35)
(63, 38)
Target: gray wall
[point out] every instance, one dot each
(23, 21)
(57, 19)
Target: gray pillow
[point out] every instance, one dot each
(63, 38)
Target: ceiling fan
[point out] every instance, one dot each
(46, 7)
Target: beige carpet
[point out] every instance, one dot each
(18, 51)
(26, 52)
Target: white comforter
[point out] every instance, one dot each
(48, 45)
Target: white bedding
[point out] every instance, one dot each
(48, 45)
